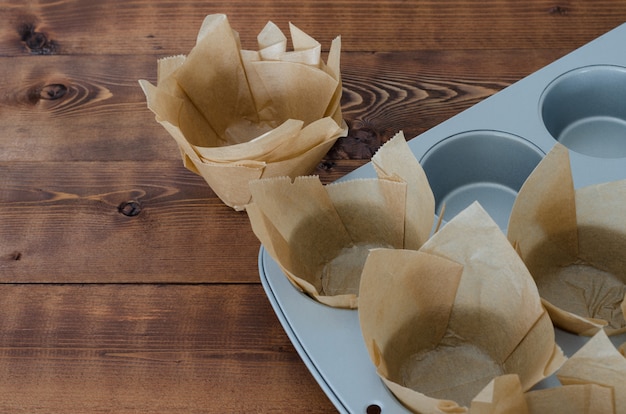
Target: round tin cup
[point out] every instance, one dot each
(485, 166)
(585, 110)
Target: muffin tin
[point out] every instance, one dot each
(484, 153)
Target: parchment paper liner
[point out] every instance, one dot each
(594, 382)
(573, 243)
(320, 235)
(239, 115)
(504, 395)
(441, 322)
(598, 362)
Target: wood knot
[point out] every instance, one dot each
(36, 42)
(129, 208)
(360, 144)
(326, 165)
(53, 91)
(558, 10)
(49, 92)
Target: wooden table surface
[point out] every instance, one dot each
(126, 286)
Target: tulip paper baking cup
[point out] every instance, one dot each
(239, 115)
(440, 323)
(573, 243)
(593, 380)
(504, 395)
(320, 235)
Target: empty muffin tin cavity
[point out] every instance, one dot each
(585, 110)
(485, 166)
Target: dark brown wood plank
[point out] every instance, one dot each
(61, 222)
(59, 108)
(148, 349)
(63, 108)
(144, 26)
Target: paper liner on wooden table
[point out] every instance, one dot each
(441, 322)
(504, 395)
(573, 243)
(320, 235)
(239, 115)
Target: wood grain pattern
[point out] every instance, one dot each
(148, 349)
(66, 226)
(137, 26)
(101, 99)
(126, 286)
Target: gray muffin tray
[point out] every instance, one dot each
(484, 153)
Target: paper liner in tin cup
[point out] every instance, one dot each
(440, 323)
(598, 362)
(320, 235)
(239, 115)
(504, 395)
(573, 243)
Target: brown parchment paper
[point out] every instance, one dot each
(320, 235)
(441, 322)
(504, 395)
(568, 399)
(598, 362)
(573, 242)
(239, 115)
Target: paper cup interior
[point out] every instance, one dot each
(485, 166)
(417, 364)
(585, 110)
(591, 284)
(335, 271)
